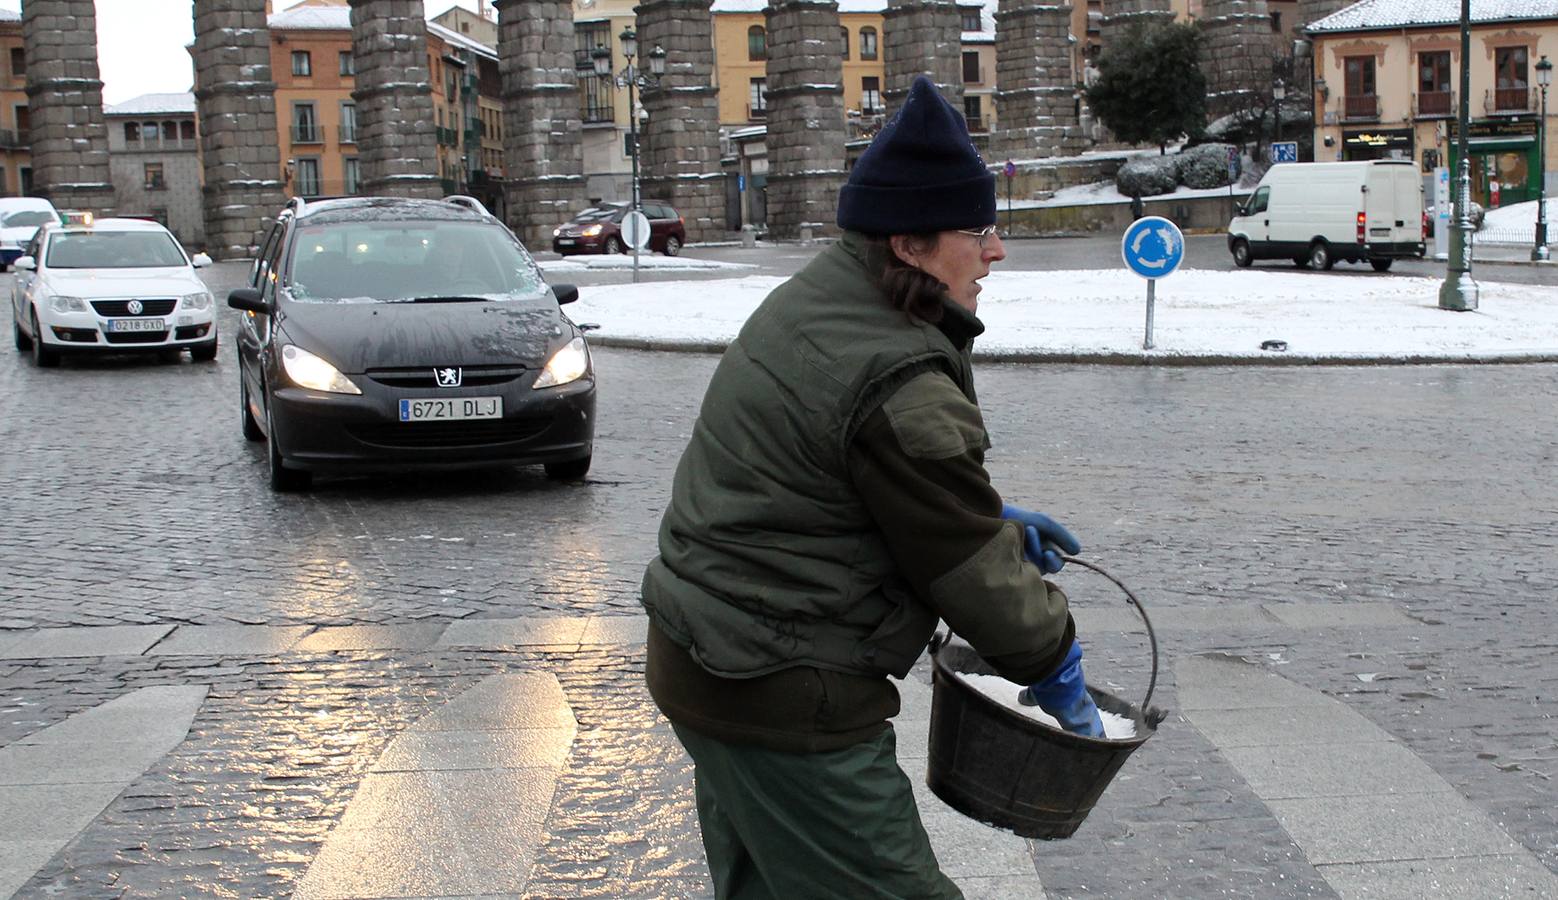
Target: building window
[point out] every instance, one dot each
(348, 123)
(307, 184)
(305, 126)
(757, 43)
(871, 95)
(302, 63)
(132, 132)
(348, 62)
(451, 82)
(973, 112)
(757, 98)
(153, 177)
(596, 100)
(1433, 84)
(23, 119)
(1360, 101)
(844, 33)
(971, 68)
(1511, 90)
(587, 37)
(868, 43)
(353, 174)
(1276, 22)
(970, 19)
(18, 62)
(170, 132)
(24, 174)
(187, 130)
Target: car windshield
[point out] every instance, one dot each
(392, 261)
(598, 214)
(28, 218)
(113, 250)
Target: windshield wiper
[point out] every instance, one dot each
(447, 299)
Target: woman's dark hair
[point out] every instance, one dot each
(907, 288)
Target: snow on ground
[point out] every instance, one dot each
(1334, 314)
(625, 261)
(1106, 192)
(1516, 224)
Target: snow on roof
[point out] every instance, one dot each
(10, 15)
(323, 18)
(462, 40)
(1399, 13)
(986, 32)
(154, 105)
(756, 6)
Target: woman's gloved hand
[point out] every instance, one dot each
(1044, 539)
(1064, 695)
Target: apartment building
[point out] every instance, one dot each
(154, 162)
(1387, 85)
(312, 64)
(15, 155)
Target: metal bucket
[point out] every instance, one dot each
(1006, 769)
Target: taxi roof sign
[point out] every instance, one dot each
(79, 217)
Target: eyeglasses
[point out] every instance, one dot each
(983, 234)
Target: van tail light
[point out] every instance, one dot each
(681, 220)
(1361, 221)
(1425, 226)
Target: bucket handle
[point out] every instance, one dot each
(1152, 637)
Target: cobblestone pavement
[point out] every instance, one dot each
(131, 498)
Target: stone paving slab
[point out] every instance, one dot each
(20, 859)
(513, 749)
(76, 762)
(616, 630)
(230, 640)
(105, 640)
(1369, 828)
(527, 631)
(1483, 878)
(370, 637)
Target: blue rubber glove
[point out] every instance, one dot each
(1064, 695)
(1044, 539)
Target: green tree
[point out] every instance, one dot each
(1150, 88)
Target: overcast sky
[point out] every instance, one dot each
(140, 47)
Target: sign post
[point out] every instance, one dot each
(1153, 247)
(1010, 170)
(1442, 213)
(635, 230)
(1233, 176)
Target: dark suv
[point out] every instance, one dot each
(384, 334)
(599, 230)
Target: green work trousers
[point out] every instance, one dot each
(809, 826)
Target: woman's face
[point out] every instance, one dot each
(959, 259)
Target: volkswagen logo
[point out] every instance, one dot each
(135, 307)
(449, 376)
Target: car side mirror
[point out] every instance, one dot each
(566, 293)
(200, 260)
(248, 300)
(26, 262)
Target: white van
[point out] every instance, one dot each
(19, 219)
(1318, 213)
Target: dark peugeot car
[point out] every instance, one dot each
(384, 334)
(599, 230)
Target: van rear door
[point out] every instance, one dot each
(1393, 205)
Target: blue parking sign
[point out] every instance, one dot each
(1284, 151)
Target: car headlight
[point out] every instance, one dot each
(307, 370)
(556, 232)
(200, 300)
(67, 304)
(592, 231)
(567, 364)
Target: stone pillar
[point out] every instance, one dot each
(1119, 16)
(922, 37)
(1036, 98)
(236, 98)
(1238, 47)
(806, 131)
(542, 123)
(680, 144)
(396, 138)
(65, 101)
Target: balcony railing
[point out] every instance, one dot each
(346, 134)
(11, 140)
(1509, 101)
(976, 124)
(757, 114)
(306, 134)
(597, 114)
(448, 137)
(1360, 108)
(1435, 104)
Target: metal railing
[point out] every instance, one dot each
(757, 114)
(1360, 107)
(1434, 104)
(595, 114)
(346, 134)
(976, 124)
(1509, 101)
(306, 134)
(11, 140)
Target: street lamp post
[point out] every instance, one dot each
(634, 80)
(1544, 77)
(1459, 291)
(1278, 92)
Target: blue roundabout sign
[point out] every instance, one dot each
(1153, 247)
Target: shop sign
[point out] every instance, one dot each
(1384, 138)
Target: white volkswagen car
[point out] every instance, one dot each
(110, 286)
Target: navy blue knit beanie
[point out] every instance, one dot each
(920, 174)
